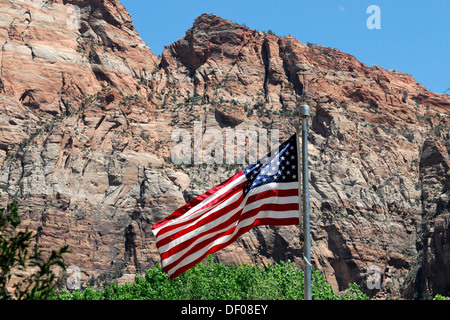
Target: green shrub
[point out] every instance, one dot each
(215, 281)
(441, 297)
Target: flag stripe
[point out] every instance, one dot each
(213, 193)
(228, 213)
(225, 241)
(265, 211)
(214, 228)
(223, 212)
(206, 215)
(272, 204)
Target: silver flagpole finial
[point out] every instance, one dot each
(304, 111)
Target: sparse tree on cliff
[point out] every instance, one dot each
(18, 254)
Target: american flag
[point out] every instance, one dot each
(264, 193)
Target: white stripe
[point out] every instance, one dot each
(218, 221)
(179, 254)
(278, 214)
(201, 228)
(221, 240)
(253, 205)
(278, 200)
(192, 214)
(274, 186)
(193, 233)
(212, 210)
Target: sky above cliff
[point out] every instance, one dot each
(411, 36)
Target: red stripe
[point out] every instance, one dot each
(214, 202)
(202, 222)
(278, 222)
(196, 201)
(287, 221)
(247, 215)
(218, 214)
(187, 243)
(269, 207)
(272, 193)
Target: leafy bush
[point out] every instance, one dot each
(215, 281)
(441, 297)
(16, 255)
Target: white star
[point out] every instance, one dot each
(294, 176)
(288, 172)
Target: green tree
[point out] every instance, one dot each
(440, 297)
(18, 254)
(215, 281)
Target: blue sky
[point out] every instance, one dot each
(414, 35)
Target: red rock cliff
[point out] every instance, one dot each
(85, 142)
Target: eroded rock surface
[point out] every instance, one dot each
(87, 116)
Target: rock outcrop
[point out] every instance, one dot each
(431, 270)
(88, 115)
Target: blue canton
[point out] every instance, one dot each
(278, 166)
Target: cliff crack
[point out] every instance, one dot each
(130, 247)
(291, 70)
(2, 84)
(265, 59)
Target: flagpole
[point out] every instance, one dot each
(304, 115)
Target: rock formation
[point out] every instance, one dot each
(87, 118)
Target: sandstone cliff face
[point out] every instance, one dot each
(63, 122)
(432, 270)
(87, 116)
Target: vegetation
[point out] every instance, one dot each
(440, 297)
(215, 281)
(18, 255)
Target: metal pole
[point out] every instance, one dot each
(304, 114)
